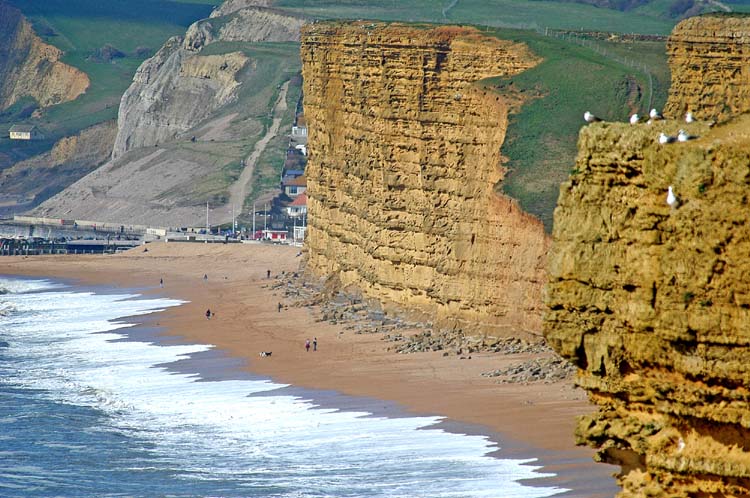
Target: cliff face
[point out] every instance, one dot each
(31, 68)
(404, 151)
(652, 303)
(160, 104)
(161, 101)
(709, 57)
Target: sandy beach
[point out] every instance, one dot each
(247, 321)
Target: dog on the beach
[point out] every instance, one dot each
(265, 353)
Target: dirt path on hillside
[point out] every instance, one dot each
(239, 190)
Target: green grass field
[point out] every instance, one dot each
(521, 14)
(541, 140)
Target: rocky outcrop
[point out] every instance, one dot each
(652, 303)
(404, 152)
(31, 68)
(709, 56)
(231, 6)
(160, 104)
(161, 101)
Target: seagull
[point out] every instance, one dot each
(666, 139)
(654, 114)
(684, 137)
(634, 118)
(590, 118)
(671, 198)
(689, 117)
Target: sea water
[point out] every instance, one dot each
(85, 413)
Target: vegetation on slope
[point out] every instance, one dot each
(541, 140)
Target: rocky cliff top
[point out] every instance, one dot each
(708, 57)
(652, 303)
(404, 152)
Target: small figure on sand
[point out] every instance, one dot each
(307, 345)
(208, 314)
(280, 306)
(315, 343)
(205, 277)
(161, 282)
(268, 273)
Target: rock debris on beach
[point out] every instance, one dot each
(330, 304)
(549, 369)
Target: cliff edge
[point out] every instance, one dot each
(648, 295)
(404, 152)
(32, 68)
(652, 303)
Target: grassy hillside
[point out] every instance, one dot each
(522, 14)
(541, 141)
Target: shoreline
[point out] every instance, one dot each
(247, 321)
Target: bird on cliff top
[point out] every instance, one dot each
(666, 139)
(671, 198)
(590, 118)
(634, 118)
(683, 136)
(689, 117)
(655, 115)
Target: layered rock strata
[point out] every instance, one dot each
(404, 152)
(32, 68)
(709, 57)
(652, 303)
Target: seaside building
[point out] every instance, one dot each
(25, 132)
(294, 185)
(298, 207)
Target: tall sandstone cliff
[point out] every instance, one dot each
(404, 151)
(31, 68)
(710, 61)
(652, 301)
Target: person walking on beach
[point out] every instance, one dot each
(307, 345)
(161, 282)
(315, 343)
(268, 273)
(280, 306)
(205, 277)
(208, 314)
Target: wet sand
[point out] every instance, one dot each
(535, 419)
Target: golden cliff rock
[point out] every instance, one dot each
(404, 153)
(652, 303)
(31, 68)
(709, 57)
(649, 295)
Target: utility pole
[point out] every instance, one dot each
(265, 219)
(208, 227)
(253, 221)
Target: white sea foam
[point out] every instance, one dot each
(216, 431)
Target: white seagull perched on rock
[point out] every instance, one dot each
(671, 198)
(634, 118)
(654, 114)
(666, 139)
(689, 117)
(683, 136)
(590, 118)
